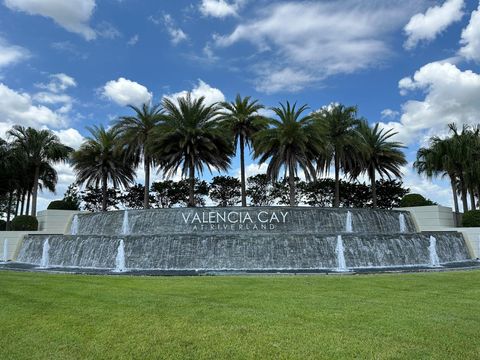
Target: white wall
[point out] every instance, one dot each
(13, 238)
(441, 218)
(50, 222)
(55, 221)
(431, 218)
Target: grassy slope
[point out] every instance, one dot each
(414, 316)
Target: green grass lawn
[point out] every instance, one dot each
(412, 316)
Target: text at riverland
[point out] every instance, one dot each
(234, 220)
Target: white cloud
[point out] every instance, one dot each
(176, 34)
(471, 38)
(58, 83)
(55, 92)
(427, 26)
(73, 15)
(252, 170)
(220, 8)
(51, 98)
(11, 54)
(133, 40)
(300, 43)
(451, 96)
(288, 79)
(389, 114)
(18, 108)
(126, 92)
(66, 176)
(68, 48)
(107, 31)
(437, 190)
(212, 95)
(70, 137)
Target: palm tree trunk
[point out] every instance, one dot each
(242, 170)
(472, 199)
(104, 192)
(455, 200)
(17, 204)
(291, 182)
(9, 209)
(23, 202)
(29, 196)
(35, 190)
(191, 195)
(146, 196)
(336, 202)
(464, 193)
(374, 189)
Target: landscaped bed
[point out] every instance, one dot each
(408, 316)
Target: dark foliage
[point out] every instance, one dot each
(92, 199)
(62, 205)
(410, 200)
(24, 223)
(471, 218)
(134, 196)
(225, 191)
(170, 193)
(260, 190)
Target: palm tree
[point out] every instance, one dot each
(242, 119)
(378, 155)
(135, 132)
(291, 142)
(436, 160)
(101, 160)
(466, 148)
(41, 147)
(190, 138)
(8, 177)
(337, 125)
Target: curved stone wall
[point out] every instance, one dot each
(213, 221)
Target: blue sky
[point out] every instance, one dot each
(412, 65)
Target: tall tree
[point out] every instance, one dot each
(42, 148)
(101, 160)
(242, 119)
(465, 149)
(260, 190)
(453, 157)
(337, 125)
(291, 142)
(438, 159)
(132, 198)
(191, 138)
(225, 190)
(136, 133)
(378, 155)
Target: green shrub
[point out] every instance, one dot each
(3, 225)
(471, 218)
(63, 205)
(24, 223)
(411, 200)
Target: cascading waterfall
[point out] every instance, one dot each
(434, 260)
(45, 256)
(120, 259)
(340, 250)
(348, 224)
(5, 250)
(125, 224)
(254, 240)
(403, 225)
(74, 227)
